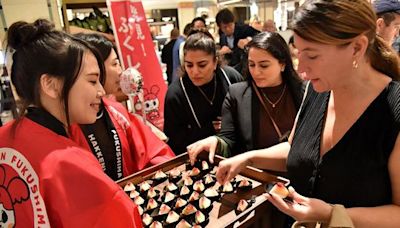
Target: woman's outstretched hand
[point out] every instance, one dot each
(302, 208)
(208, 144)
(229, 168)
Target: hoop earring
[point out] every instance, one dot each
(355, 64)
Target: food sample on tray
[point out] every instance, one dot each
(152, 193)
(198, 186)
(183, 224)
(180, 203)
(146, 219)
(227, 187)
(160, 176)
(172, 217)
(209, 180)
(243, 205)
(205, 166)
(187, 181)
(199, 217)
(194, 197)
(184, 195)
(144, 186)
(244, 184)
(164, 209)
(156, 224)
(194, 172)
(174, 175)
(204, 203)
(152, 204)
(133, 194)
(138, 200)
(168, 197)
(171, 187)
(189, 209)
(129, 187)
(185, 192)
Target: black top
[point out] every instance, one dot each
(166, 57)
(355, 171)
(179, 122)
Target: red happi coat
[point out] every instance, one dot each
(141, 148)
(47, 180)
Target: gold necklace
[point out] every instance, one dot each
(273, 104)
(211, 102)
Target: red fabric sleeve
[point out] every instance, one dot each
(156, 151)
(78, 194)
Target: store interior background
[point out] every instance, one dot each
(162, 16)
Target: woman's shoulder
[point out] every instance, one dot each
(174, 90)
(231, 73)
(239, 87)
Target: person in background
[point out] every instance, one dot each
(269, 26)
(122, 143)
(194, 101)
(260, 111)
(388, 22)
(343, 152)
(233, 38)
(47, 179)
(177, 53)
(166, 53)
(198, 23)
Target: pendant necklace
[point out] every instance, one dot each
(273, 104)
(211, 102)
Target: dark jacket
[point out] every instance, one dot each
(240, 113)
(166, 57)
(184, 125)
(241, 32)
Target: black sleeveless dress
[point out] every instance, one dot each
(354, 172)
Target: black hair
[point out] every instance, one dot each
(388, 17)
(224, 16)
(40, 49)
(200, 39)
(187, 29)
(198, 19)
(275, 45)
(100, 42)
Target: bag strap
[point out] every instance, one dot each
(278, 131)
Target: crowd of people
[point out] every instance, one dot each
(323, 110)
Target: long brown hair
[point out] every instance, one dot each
(338, 22)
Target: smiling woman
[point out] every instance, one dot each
(59, 78)
(122, 143)
(193, 103)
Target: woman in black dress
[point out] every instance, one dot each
(344, 150)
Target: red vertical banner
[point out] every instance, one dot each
(136, 49)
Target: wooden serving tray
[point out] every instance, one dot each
(223, 213)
